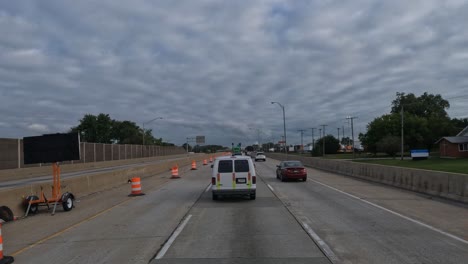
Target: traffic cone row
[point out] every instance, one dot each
(4, 259)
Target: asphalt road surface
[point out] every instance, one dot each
(322, 220)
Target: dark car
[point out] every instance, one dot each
(291, 169)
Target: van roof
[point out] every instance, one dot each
(233, 157)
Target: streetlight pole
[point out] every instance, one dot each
(147, 123)
(284, 126)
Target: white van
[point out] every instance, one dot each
(233, 175)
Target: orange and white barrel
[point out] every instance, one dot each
(136, 187)
(194, 165)
(175, 172)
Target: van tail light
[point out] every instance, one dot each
(213, 180)
(254, 179)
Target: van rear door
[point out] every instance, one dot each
(242, 175)
(224, 175)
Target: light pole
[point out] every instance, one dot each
(147, 123)
(284, 126)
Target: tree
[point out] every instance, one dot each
(331, 146)
(103, 129)
(424, 106)
(185, 147)
(127, 132)
(425, 121)
(96, 129)
(389, 144)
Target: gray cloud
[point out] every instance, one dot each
(213, 67)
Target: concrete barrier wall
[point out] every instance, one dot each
(442, 184)
(88, 184)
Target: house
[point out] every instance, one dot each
(454, 147)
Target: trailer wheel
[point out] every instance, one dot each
(34, 207)
(67, 203)
(6, 214)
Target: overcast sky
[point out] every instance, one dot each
(213, 67)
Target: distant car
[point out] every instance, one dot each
(291, 169)
(237, 154)
(260, 156)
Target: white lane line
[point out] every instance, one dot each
(208, 188)
(327, 250)
(397, 214)
(271, 188)
(172, 238)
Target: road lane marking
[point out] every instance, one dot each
(271, 188)
(302, 221)
(395, 213)
(171, 240)
(327, 250)
(208, 188)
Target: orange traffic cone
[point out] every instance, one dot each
(175, 172)
(194, 165)
(204, 162)
(136, 187)
(4, 259)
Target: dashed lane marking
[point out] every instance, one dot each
(173, 237)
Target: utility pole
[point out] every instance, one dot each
(323, 139)
(313, 139)
(343, 132)
(338, 134)
(352, 132)
(302, 142)
(402, 131)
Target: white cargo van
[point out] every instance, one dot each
(233, 175)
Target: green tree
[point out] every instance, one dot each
(425, 121)
(96, 129)
(425, 105)
(331, 146)
(389, 144)
(127, 132)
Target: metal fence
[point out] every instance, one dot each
(11, 152)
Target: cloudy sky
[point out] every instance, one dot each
(213, 67)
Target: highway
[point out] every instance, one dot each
(328, 219)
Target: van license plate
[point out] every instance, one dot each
(241, 180)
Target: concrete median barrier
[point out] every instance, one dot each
(452, 186)
(91, 183)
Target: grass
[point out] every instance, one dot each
(436, 164)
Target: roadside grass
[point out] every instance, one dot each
(433, 163)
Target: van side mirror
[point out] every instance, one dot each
(211, 165)
(278, 166)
